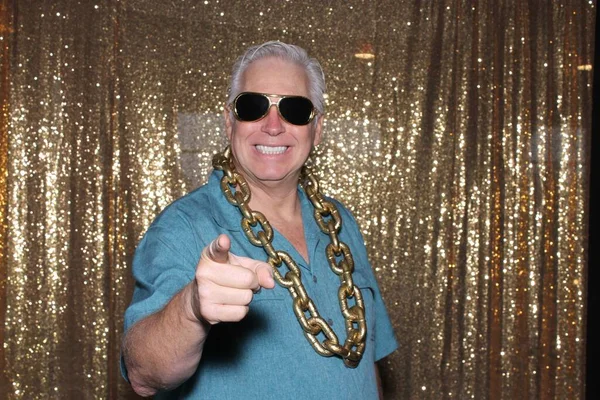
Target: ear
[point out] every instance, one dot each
(228, 122)
(318, 130)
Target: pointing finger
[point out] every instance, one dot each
(218, 249)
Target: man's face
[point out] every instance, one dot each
(271, 151)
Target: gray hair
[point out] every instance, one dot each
(286, 52)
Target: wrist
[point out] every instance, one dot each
(191, 306)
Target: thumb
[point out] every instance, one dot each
(263, 270)
(265, 276)
(218, 249)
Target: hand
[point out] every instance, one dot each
(225, 283)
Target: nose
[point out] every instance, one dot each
(272, 122)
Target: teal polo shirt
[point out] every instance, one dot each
(266, 355)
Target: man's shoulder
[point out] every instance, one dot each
(197, 204)
(339, 204)
(344, 211)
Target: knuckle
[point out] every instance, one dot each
(204, 290)
(248, 278)
(247, 297)
(243, 311)
(200, 276)
(205, 312)
(202, 269)
(210, 313)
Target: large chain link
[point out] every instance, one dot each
(236, 190)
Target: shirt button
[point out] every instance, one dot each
(314, 278)
(329, 321)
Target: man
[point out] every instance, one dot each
(242, 289)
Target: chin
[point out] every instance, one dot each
(272, 176)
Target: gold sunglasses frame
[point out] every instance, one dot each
(280, 97)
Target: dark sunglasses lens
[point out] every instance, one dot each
(296, 110)
(250, 107)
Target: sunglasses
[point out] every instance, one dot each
(250, 107)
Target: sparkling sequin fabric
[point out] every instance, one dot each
(457, 131)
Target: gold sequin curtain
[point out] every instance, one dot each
(457, 131)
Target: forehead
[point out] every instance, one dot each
(275, 76)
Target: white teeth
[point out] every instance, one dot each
(270, 150)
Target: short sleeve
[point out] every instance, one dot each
(164, 262)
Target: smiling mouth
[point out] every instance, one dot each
(270, 149)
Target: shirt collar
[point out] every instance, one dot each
(229, 216)
(225, 214)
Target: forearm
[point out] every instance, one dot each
(164, 349)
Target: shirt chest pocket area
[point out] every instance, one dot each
(365, 287)
(281, 300)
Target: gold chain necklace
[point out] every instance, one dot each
(356, 328)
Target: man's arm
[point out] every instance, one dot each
(163, 350)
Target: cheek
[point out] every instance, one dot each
(238, 141)
(235, 133)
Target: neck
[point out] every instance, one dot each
(275, 200)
